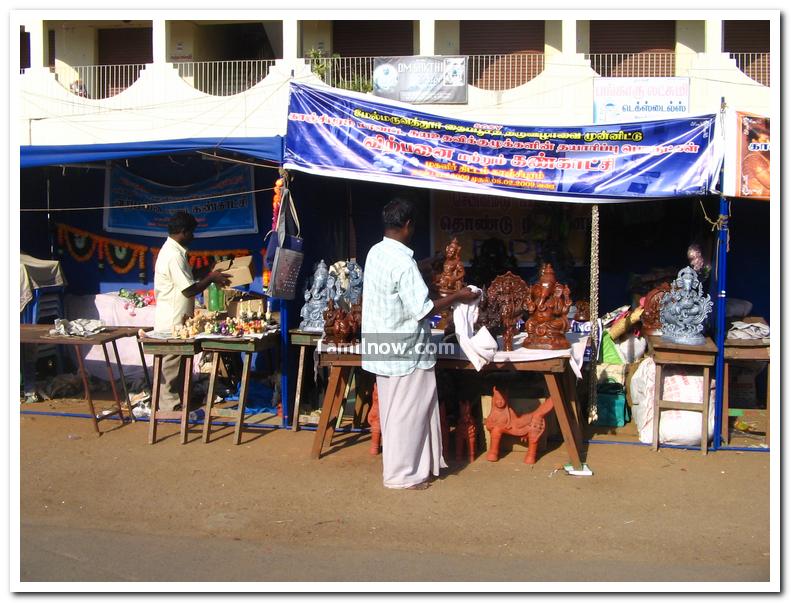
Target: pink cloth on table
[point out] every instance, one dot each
(109, 307)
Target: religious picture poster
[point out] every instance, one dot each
(753, 156)
(532, 232)
(344, 134)
(222, 205)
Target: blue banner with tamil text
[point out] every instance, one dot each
(345, 134)
(222, 205)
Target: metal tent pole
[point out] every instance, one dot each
(722, 265)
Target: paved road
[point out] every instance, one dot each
(88, 555)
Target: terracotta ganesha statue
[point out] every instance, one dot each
(548, 304)
(529, 427)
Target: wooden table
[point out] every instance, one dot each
(187, 348)
(39, 334)
(235, 344)
(556, 371)
(743, 349)
(665, 352)
(305, 340)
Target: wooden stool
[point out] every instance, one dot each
(186, 348)
(665, 352)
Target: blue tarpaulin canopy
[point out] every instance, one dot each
(269, 148)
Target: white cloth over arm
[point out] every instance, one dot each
(479, 348)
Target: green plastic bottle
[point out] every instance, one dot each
(213, 302)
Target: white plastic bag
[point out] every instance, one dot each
(680, 427)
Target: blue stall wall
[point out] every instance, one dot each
(634, 238)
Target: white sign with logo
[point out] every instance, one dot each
(624, 99)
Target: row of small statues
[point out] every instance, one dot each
(502, 419)
(341, 283)
(342, 326)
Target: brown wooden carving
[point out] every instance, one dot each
(466, 432)
(451, 279)
(503, 305)
(373, 422)
(548, 304)
(583, 311)
(341, 326)
(529, 427)
(650, 317)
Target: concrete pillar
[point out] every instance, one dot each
(714, 40)
(38, 41)
(290, 39)
(568, 36)
(159, 40)
(427, 37)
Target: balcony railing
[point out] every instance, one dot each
(97, 81)
(631, 64)
(490, 72)
(223, 78)
(754, 65)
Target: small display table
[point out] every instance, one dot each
(556, 372)
(39, 334)
(233, 344)
(664, 353)
(743, 349)
(187, 348)
(305, 340)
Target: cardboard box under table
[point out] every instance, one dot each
(557, 373)
(233, 344)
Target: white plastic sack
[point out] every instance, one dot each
(631, 348)
(680, 427)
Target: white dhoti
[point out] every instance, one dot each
(411, 431)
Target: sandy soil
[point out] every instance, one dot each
(115, 508)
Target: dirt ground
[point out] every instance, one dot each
(113, 508)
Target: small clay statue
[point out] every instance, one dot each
(355, 290)
(529, 427)
(373, 422)
(451, 279)
(466, 432)
(583, 311)
(548, 304)
(315, 300)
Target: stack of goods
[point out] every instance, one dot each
(341, 283)
(214, 323)
(137, 299)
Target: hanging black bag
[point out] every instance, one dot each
(286, 251)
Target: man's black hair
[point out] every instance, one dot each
(396, 213)
(182, 221)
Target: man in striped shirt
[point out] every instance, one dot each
(396, 331)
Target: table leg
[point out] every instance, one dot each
(185, 397)
(570, 391)
(570, 434)
(145, 366)
(123, 382)
(215, 363)
(768, 415)
(333, 385)
(112, 383)
(704, 428)
(726, 406)
(298, 389)
(237, 436)
(87, 389)
(152, 419)
(657, 397)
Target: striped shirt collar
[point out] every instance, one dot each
(399, 246)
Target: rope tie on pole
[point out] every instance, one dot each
(593, 412)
